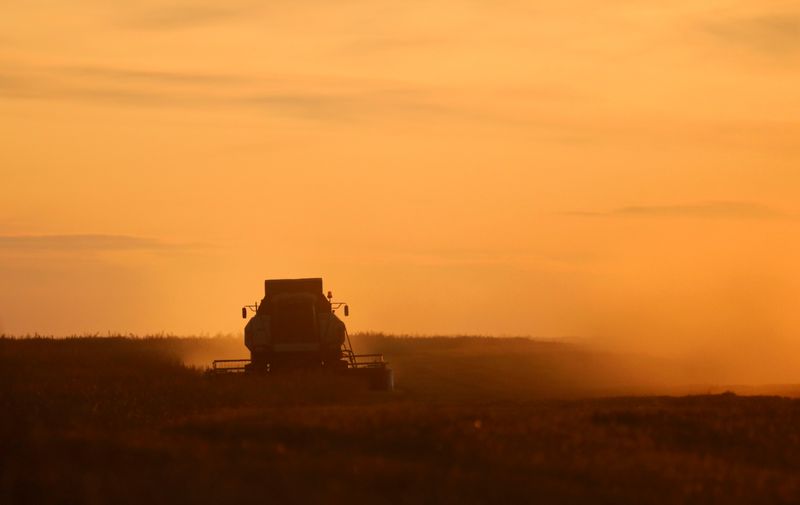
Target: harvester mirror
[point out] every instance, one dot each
(330, 295)
(346, 311)
(244, 312)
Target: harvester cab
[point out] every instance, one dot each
(295, 327)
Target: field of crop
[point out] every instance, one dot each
(116, 420)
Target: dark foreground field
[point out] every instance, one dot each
(473, 421)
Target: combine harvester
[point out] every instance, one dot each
(295, 328)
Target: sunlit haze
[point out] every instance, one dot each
(619, 172)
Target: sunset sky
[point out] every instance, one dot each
(626, 171)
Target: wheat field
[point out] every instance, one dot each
(473, 420)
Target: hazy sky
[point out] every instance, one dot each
(612, 169)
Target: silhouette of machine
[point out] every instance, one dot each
(295, 327)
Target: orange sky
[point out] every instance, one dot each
(626, 171)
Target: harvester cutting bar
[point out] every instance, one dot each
(354, 361)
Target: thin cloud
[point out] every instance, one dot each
(311, 105)
(306, 97)
(315, 105)
(124, 97)
(775, 34)
(89, 242)
(11, 83)
(369, 45)
(707, 209)
(151, 76)
(367, 103)
(186, 16)
(348, 105)
(704, 210)
(118, 86)
(31, 83)
(348, 99)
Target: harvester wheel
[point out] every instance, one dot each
(381, 379)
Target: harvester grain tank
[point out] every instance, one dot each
(295, 327)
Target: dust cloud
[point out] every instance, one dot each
(723, 307)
